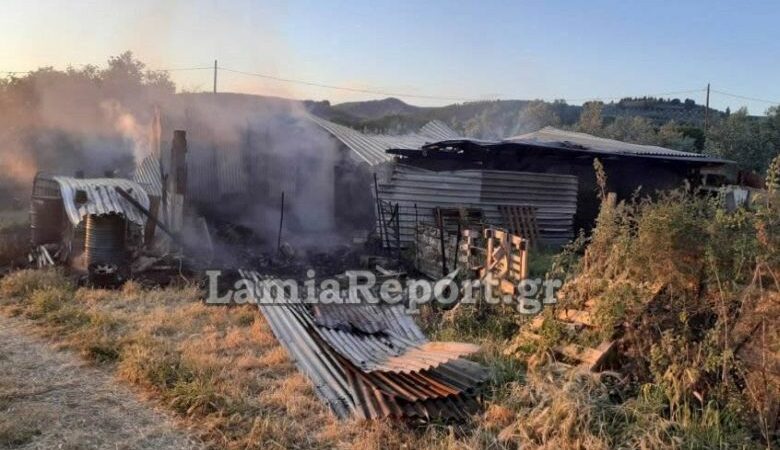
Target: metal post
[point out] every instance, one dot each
(441, 242)
(380, 214)
(457, 245)
(416, 238)
(215, 76)
(397, 214)
(707, 110)
(281, 222)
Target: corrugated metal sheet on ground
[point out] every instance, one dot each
(102, 198)
(443, 389)
(370, 148)
(554, 196)
(383, 338)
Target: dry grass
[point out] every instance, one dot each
(224, 374)
(219, 369)
(51, 399)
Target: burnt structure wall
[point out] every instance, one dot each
(625, 175)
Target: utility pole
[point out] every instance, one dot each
(706, 109)
(215, 76)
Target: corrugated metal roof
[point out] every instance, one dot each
(438, 130)
(554, 196)
(147, 174)
(102, 198)
(440, 390)
(582, 141)
(370, 148)
(208, 178)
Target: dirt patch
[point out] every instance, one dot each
(52, 399)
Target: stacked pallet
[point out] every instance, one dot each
(372, 361)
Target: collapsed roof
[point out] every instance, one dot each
(555, 137)
(553, 141)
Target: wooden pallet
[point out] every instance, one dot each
(521, 221)
(506, 259)
(587, 358)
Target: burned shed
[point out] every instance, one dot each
(628, 167)
(240, 160)
(86, 222)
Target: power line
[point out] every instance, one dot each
(344, 88)
(180, 69)
(417, 96)
(431, 97)
(176, 69)
(743, 97)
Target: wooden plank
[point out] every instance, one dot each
(520, 213)
(575, 315)
(507, 287)
(590, 358)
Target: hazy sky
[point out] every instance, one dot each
(461, 49)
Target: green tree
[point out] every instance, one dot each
(771, 132)
(591, 121)
(638, 130)
(671, 135)
(739, 137)
(743, 139)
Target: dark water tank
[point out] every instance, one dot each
(47, 212)
(105, 240)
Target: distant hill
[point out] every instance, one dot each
(499, 118)
(377, 109)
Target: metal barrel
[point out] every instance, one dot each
(105, 240)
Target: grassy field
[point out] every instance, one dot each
(222, 373)
(219, 369)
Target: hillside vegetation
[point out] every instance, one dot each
(674, 123)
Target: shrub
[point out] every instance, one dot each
(672, 278)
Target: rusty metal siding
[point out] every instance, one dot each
(554, 196)
(443, 390)
(102, 198)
